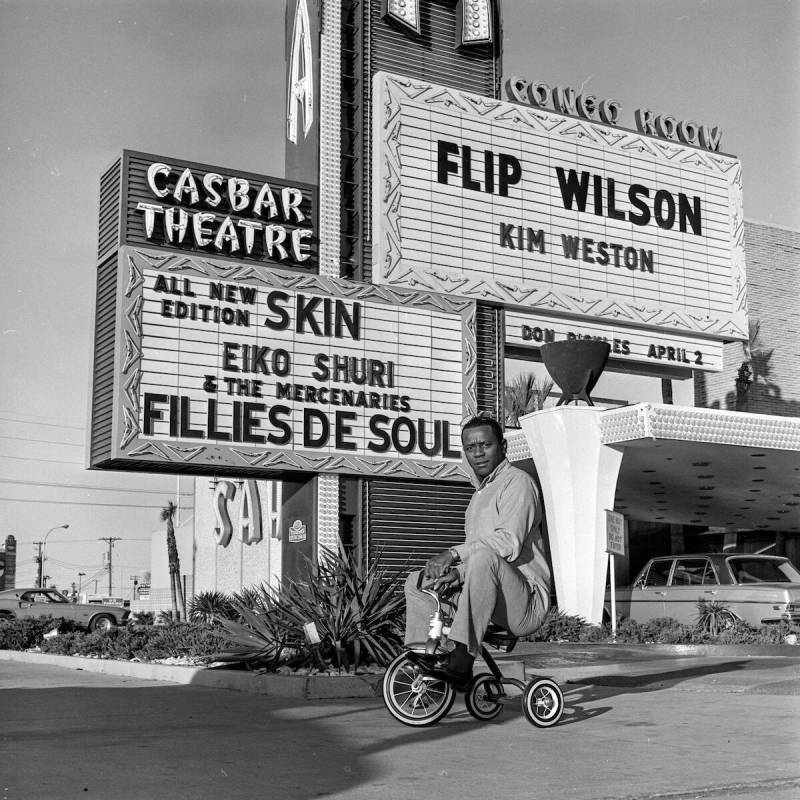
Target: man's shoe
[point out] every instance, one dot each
(427, 660)
(438, 666)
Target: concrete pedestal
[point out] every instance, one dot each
(578, 476)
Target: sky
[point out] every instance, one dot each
(203, 80)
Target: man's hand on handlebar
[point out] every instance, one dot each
(449, 579)
(437, 565)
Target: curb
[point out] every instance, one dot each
(302, 687)
(332, 687)
(608, 651)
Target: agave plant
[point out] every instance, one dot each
(356, 611)
(713, 617)
(206, 606)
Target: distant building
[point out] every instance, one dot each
(767, 380)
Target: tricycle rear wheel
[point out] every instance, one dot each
(543, 702)
(482, 697)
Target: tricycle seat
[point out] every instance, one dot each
(500, 638)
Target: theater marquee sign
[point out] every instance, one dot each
(224, 367)
(555, 214)
(197, 208)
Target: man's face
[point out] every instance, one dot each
(482, 449)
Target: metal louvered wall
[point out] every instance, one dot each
(406, 522)
(371, 45)
(489, 346)
(103, 367)
(409, 521)
(110, 193)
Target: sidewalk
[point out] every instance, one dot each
(734, 668)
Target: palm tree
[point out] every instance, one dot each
(176, 590)
(525, 394)
(756, 367)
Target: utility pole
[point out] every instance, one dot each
(38, 559)
(40, 554)
(110, 540)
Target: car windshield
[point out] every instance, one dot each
(763, 570)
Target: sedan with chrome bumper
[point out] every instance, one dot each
(758, 589)
(31, 602)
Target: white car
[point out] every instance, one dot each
(758, 589)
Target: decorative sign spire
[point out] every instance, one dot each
(301, 75)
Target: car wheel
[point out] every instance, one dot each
(7, 615)
(102, 623)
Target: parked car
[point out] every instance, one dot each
(758, 589)
(32, 602)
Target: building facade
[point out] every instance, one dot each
(438, 218)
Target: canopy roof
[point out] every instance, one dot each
(699, 466)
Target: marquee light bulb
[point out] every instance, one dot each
(404, 12)
(475, 22)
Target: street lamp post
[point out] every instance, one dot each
(42, 546)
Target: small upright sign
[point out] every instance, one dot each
(615, 533)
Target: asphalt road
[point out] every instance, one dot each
(710, 728)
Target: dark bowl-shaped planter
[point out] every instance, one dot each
(575, 365)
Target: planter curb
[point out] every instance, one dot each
(577, 657)
(308, 687)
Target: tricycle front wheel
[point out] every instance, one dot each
(412, 697)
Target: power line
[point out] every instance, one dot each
(31, 421)
(85, 541)
(79, 503)
(43, 441)
(92, 488)
(45, 460)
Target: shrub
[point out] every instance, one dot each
(196, 641)
(142, 618)
(559, 627)
(22, 634)
(665, 630)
